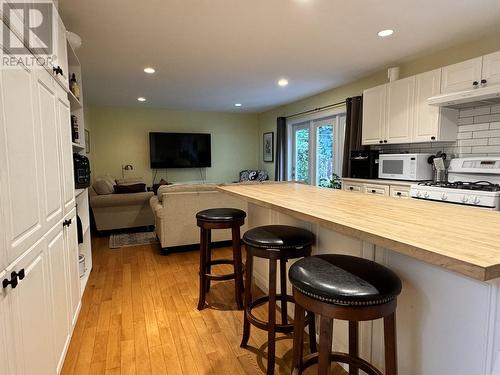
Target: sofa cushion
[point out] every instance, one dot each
(130, 188)
(182, 188)
(103, 187)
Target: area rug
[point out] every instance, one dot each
(131, 239)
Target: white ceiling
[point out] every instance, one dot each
(210, 54)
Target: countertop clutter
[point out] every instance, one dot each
(451, 237)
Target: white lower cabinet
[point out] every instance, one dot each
(353, 187)
(73, 272)
(393, 189)
(402, 192)
(29, 314)
(6, 351)
(376, 189)
(60, 312)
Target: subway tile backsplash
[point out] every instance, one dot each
(478, 135)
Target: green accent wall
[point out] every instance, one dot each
(120, 136)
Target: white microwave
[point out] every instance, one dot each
(410, 167)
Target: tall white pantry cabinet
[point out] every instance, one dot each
(40, 290)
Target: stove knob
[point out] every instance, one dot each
(426, 195)
(444, 197)
(476, 200)
(465, 199)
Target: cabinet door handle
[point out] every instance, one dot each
(483, 82)
(21, 274)
(385, 140)
(475, 84)
(12, 282)
(433, 138)
(380, 141)
(67, 223)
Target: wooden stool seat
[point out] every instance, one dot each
(346, 288)
(275, 243)
(220, 218)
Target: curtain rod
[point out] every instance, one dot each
(317, 109)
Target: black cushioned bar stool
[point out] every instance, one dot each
(346, 288)
(276, 243)
(220, 218)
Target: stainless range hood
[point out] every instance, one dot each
(466, 99)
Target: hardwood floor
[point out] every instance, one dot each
(139, 317)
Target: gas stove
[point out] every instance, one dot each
(471, 182)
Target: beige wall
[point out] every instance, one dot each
(436, 59)
(121, 136)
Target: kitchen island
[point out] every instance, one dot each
(447, 256)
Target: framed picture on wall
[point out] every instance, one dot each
(268, 147)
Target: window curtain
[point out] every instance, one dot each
(281, 145)
(353, 123)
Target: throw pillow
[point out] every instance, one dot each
(103, 187)
(127, 189)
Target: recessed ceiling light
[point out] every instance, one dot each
(237, 105)
(149, 70)
(283, 82)
(141, 99)
(384, 33)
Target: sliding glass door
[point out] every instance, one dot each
(317, 149)
(301, 160)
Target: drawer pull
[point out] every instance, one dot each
(374, 191)
(398, 193)
(351, 188)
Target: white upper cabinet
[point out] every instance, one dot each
(66, 150)
(400, 111)
(21, 174)
(426, 117)
(491, 69)
(61, 52)
(461, 76)
(374, 115)
(47, 102)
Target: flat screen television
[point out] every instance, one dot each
(180, 150)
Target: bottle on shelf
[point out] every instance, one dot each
(74, 129)
(74, 86)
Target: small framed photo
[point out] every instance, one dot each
(268, 147)
(87, 141)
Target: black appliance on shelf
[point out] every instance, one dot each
(364, 164)
(81, 166)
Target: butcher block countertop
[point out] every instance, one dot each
(462, 239)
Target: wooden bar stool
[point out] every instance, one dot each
(346, 288)
(276, 243)
(220, 218)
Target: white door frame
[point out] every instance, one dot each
(312, 121)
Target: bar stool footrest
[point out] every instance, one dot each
(227, 276)
(261, 324)
(338, 357)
